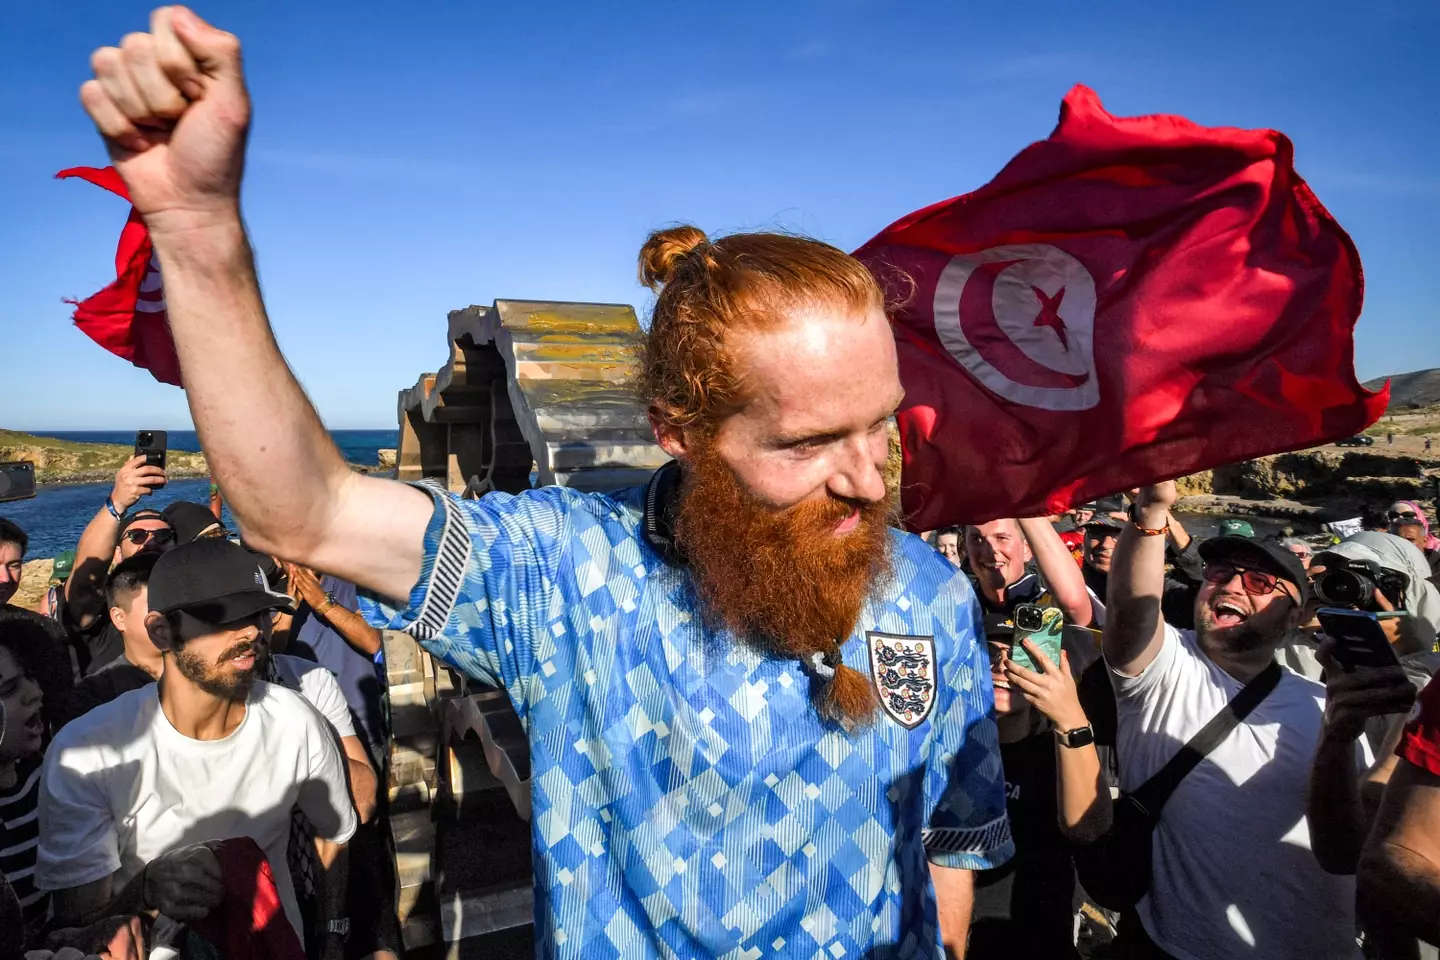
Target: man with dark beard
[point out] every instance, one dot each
(207, 753)
(1233, 872)
(758, 718)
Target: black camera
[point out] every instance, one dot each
(17, 480)
(1352, 583)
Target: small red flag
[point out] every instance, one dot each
(128, 316)
(1130, 300)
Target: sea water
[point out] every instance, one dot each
(57, 515)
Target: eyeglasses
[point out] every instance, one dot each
(1257, 583)
(161, 537)
(1403, 515)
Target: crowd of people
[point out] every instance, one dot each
(175, 689)
(182, 688)
(1190, 625)
(762, 720)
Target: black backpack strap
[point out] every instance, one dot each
(1153, 793)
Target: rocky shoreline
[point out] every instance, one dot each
(1312, 487)
(48, 478)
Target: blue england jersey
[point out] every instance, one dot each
(688, 801)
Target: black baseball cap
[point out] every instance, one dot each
(1103, 508)
(189, 519)
(1267, 555)
(146, 514)
(213, 580)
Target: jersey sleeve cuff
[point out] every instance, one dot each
(970, 848)
(448, 539)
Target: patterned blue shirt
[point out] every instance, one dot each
(687, 799)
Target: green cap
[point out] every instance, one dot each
(1237, 528)
(64, 566)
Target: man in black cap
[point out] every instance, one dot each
(1102, 529)
(191, 521)
(128, 596)
(1076, 517)
(209, 753)
(1233, 871)
(1102, 532)
(116, 532)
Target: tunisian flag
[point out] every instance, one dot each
(128, 317)
(1131, 300)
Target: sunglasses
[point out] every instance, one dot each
(161, 537)
(1257, 583)
(1404, 515)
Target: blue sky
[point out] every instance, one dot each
(408, 159)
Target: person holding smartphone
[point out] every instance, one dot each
(1366, 705)
(1055, 796)
(117, 532)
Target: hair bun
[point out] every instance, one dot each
(662, 252)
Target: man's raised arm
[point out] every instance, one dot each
(1059, 570)
(1134, 629)
(174, 111)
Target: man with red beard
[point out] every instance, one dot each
(1233, 872)
(758, 717)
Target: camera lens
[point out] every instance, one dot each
(1345, 588)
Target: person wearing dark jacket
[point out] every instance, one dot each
(1182, 553)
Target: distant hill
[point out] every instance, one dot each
(1407, 390)
(65, 461)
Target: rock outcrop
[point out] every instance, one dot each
(1327, 481)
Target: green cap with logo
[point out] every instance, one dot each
(1237, 528)
(64, 566)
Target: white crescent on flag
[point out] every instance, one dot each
(1042, 300)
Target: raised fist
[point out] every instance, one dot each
(1157, 497)
(174, 112)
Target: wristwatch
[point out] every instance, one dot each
(1079, 737)
(340, 927)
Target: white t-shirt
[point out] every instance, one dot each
(122, 786)
(1233, 871)
(318, 685)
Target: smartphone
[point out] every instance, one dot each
(17, 480)
(1359, 641)
(1043, 627)
(150, 444)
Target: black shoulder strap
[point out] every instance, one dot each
(1153, 793)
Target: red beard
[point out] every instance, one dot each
(783, 579)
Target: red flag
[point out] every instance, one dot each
(1131, 300)
(250, 924)
(128, 316)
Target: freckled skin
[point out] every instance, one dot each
(819, 389)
